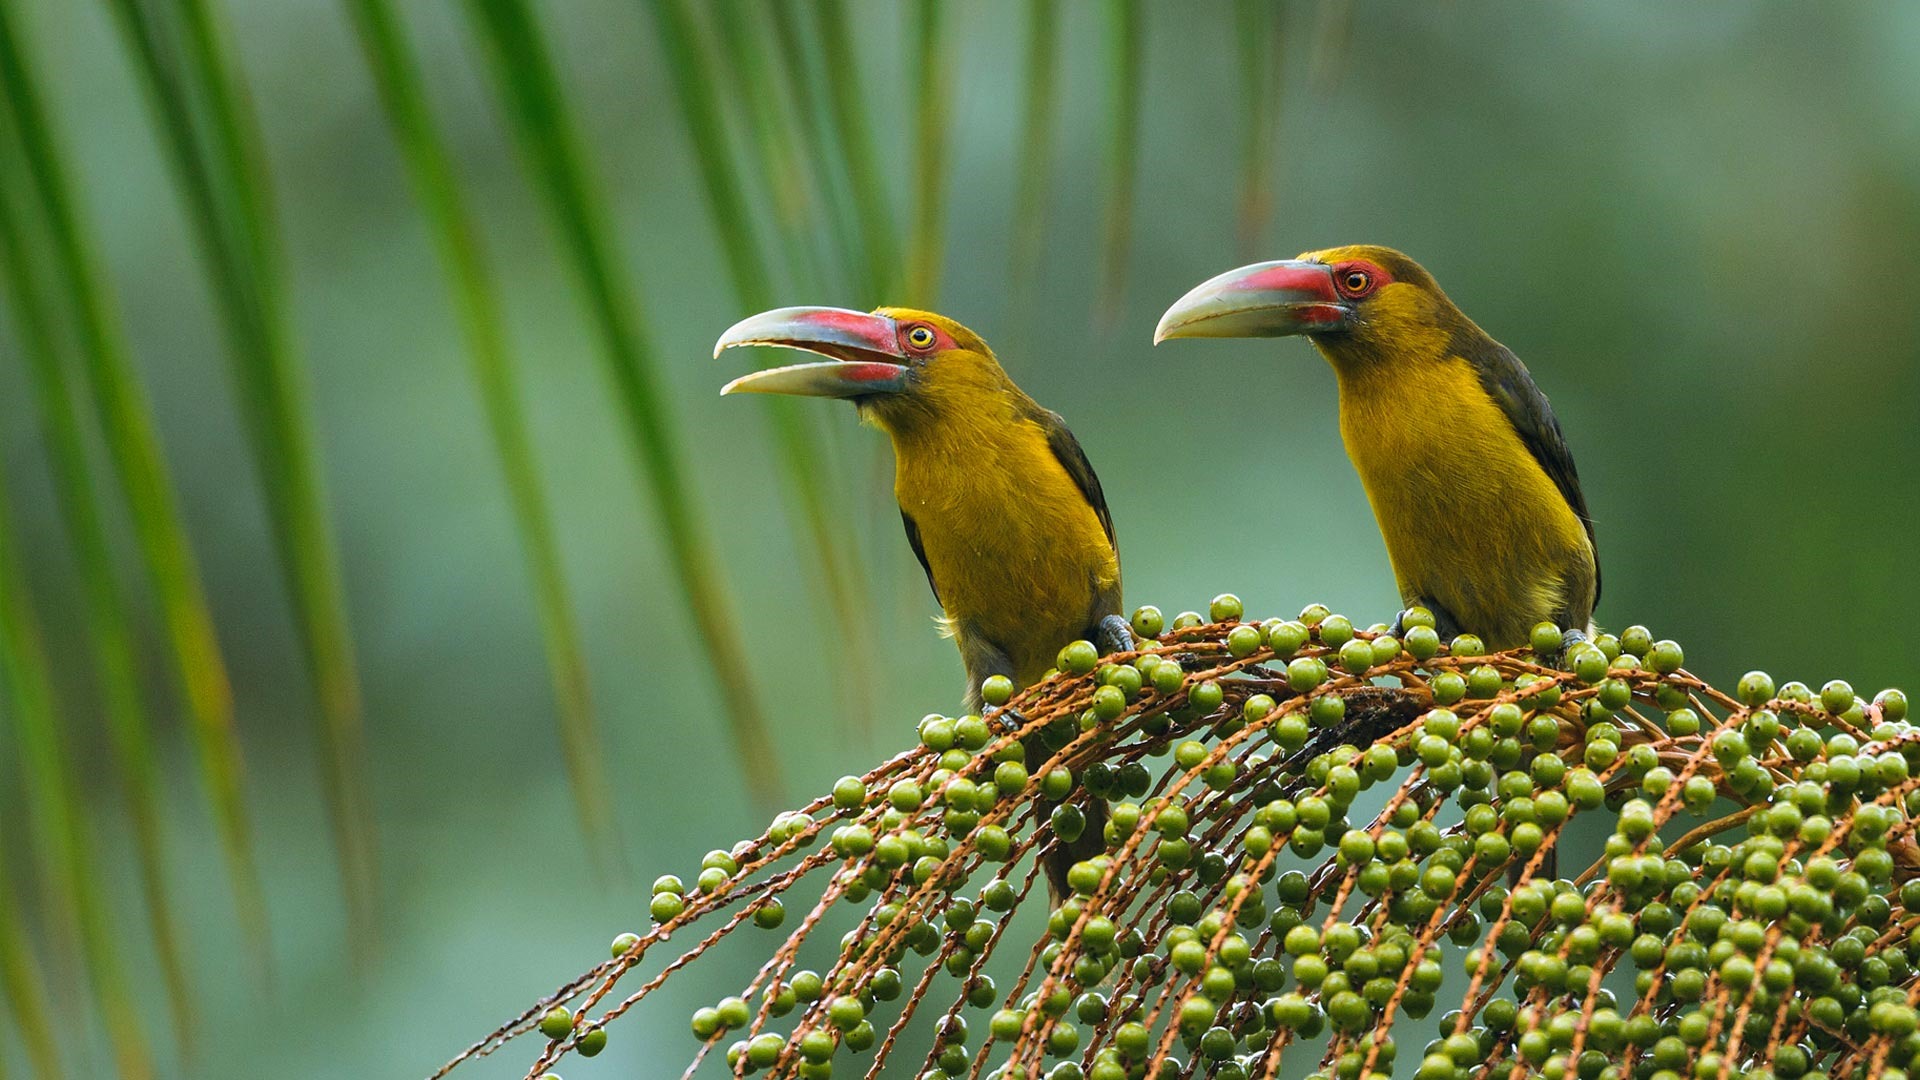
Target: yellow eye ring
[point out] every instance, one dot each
(1356, 281)
(920, 337)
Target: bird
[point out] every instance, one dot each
(1462, 459)
(999, 502)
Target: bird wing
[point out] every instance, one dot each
(1067, 450)
(920, 552)
(1507, 381)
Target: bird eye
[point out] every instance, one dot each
(1356, 282)
(920, 337)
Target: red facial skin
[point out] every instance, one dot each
(1322, 283)
(1346, 283)
(875, 372)
(941, 341)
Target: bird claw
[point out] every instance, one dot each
(1010, 719)
(1113, 635)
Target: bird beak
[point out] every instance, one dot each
(863, 353)
(1269, 299)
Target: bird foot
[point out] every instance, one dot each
(1007, 717)
(1113, 635)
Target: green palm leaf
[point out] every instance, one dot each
(1258, 42)
(846, 105)
(1124, 76)
(477, 301)
(931, 106)
(1036, 145)
(57, 815)
(794, 55)
(544, 128)
(786, 179)
(20, 981)
(140, 471)
(800, 452)
(225, 187)
(109, 625)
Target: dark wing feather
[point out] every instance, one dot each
(1507, 381)
(1073, 459)
(920, 552)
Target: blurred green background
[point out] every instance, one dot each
(1700, 226)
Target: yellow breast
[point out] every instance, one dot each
(1017, 553)
(1471, 520)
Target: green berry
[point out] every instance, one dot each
(906, 796)
(1836, 697)
(770, 914)
(1545, 638)
(557, 1023)
(1421, 642)
(993, 843)
(996, 689)
(1148, 622)
(1893, 704)
(845, 1012)
(849, 793)
(1356, 656)
(1287, 638)
(764, 1050)
(1306, 672)
(1225, 608)
(1079, 658)
(1244, 640)
(1755, 688)
(1666, 657)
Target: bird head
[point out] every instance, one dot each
(1355, 303)
(897, 365)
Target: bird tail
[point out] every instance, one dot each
(1058, 856)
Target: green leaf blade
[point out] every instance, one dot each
(542, 125)
(144, 486)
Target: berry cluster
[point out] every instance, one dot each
(1311, 832)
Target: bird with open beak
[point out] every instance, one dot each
(999, 502)
(1470, 478)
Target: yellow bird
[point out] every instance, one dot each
(1470, 478)
(999, 502)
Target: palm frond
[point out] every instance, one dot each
(1036, 145)
(543, 125)
(1125, 50)
(793, 55)
(800, 452)
(20, 979)
(785, 179)
(110, 630)
(932, 91)
(140, 472)
(1258, 41)
(477, 302)
(847, 106)
(58, 817)
(268, 371)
